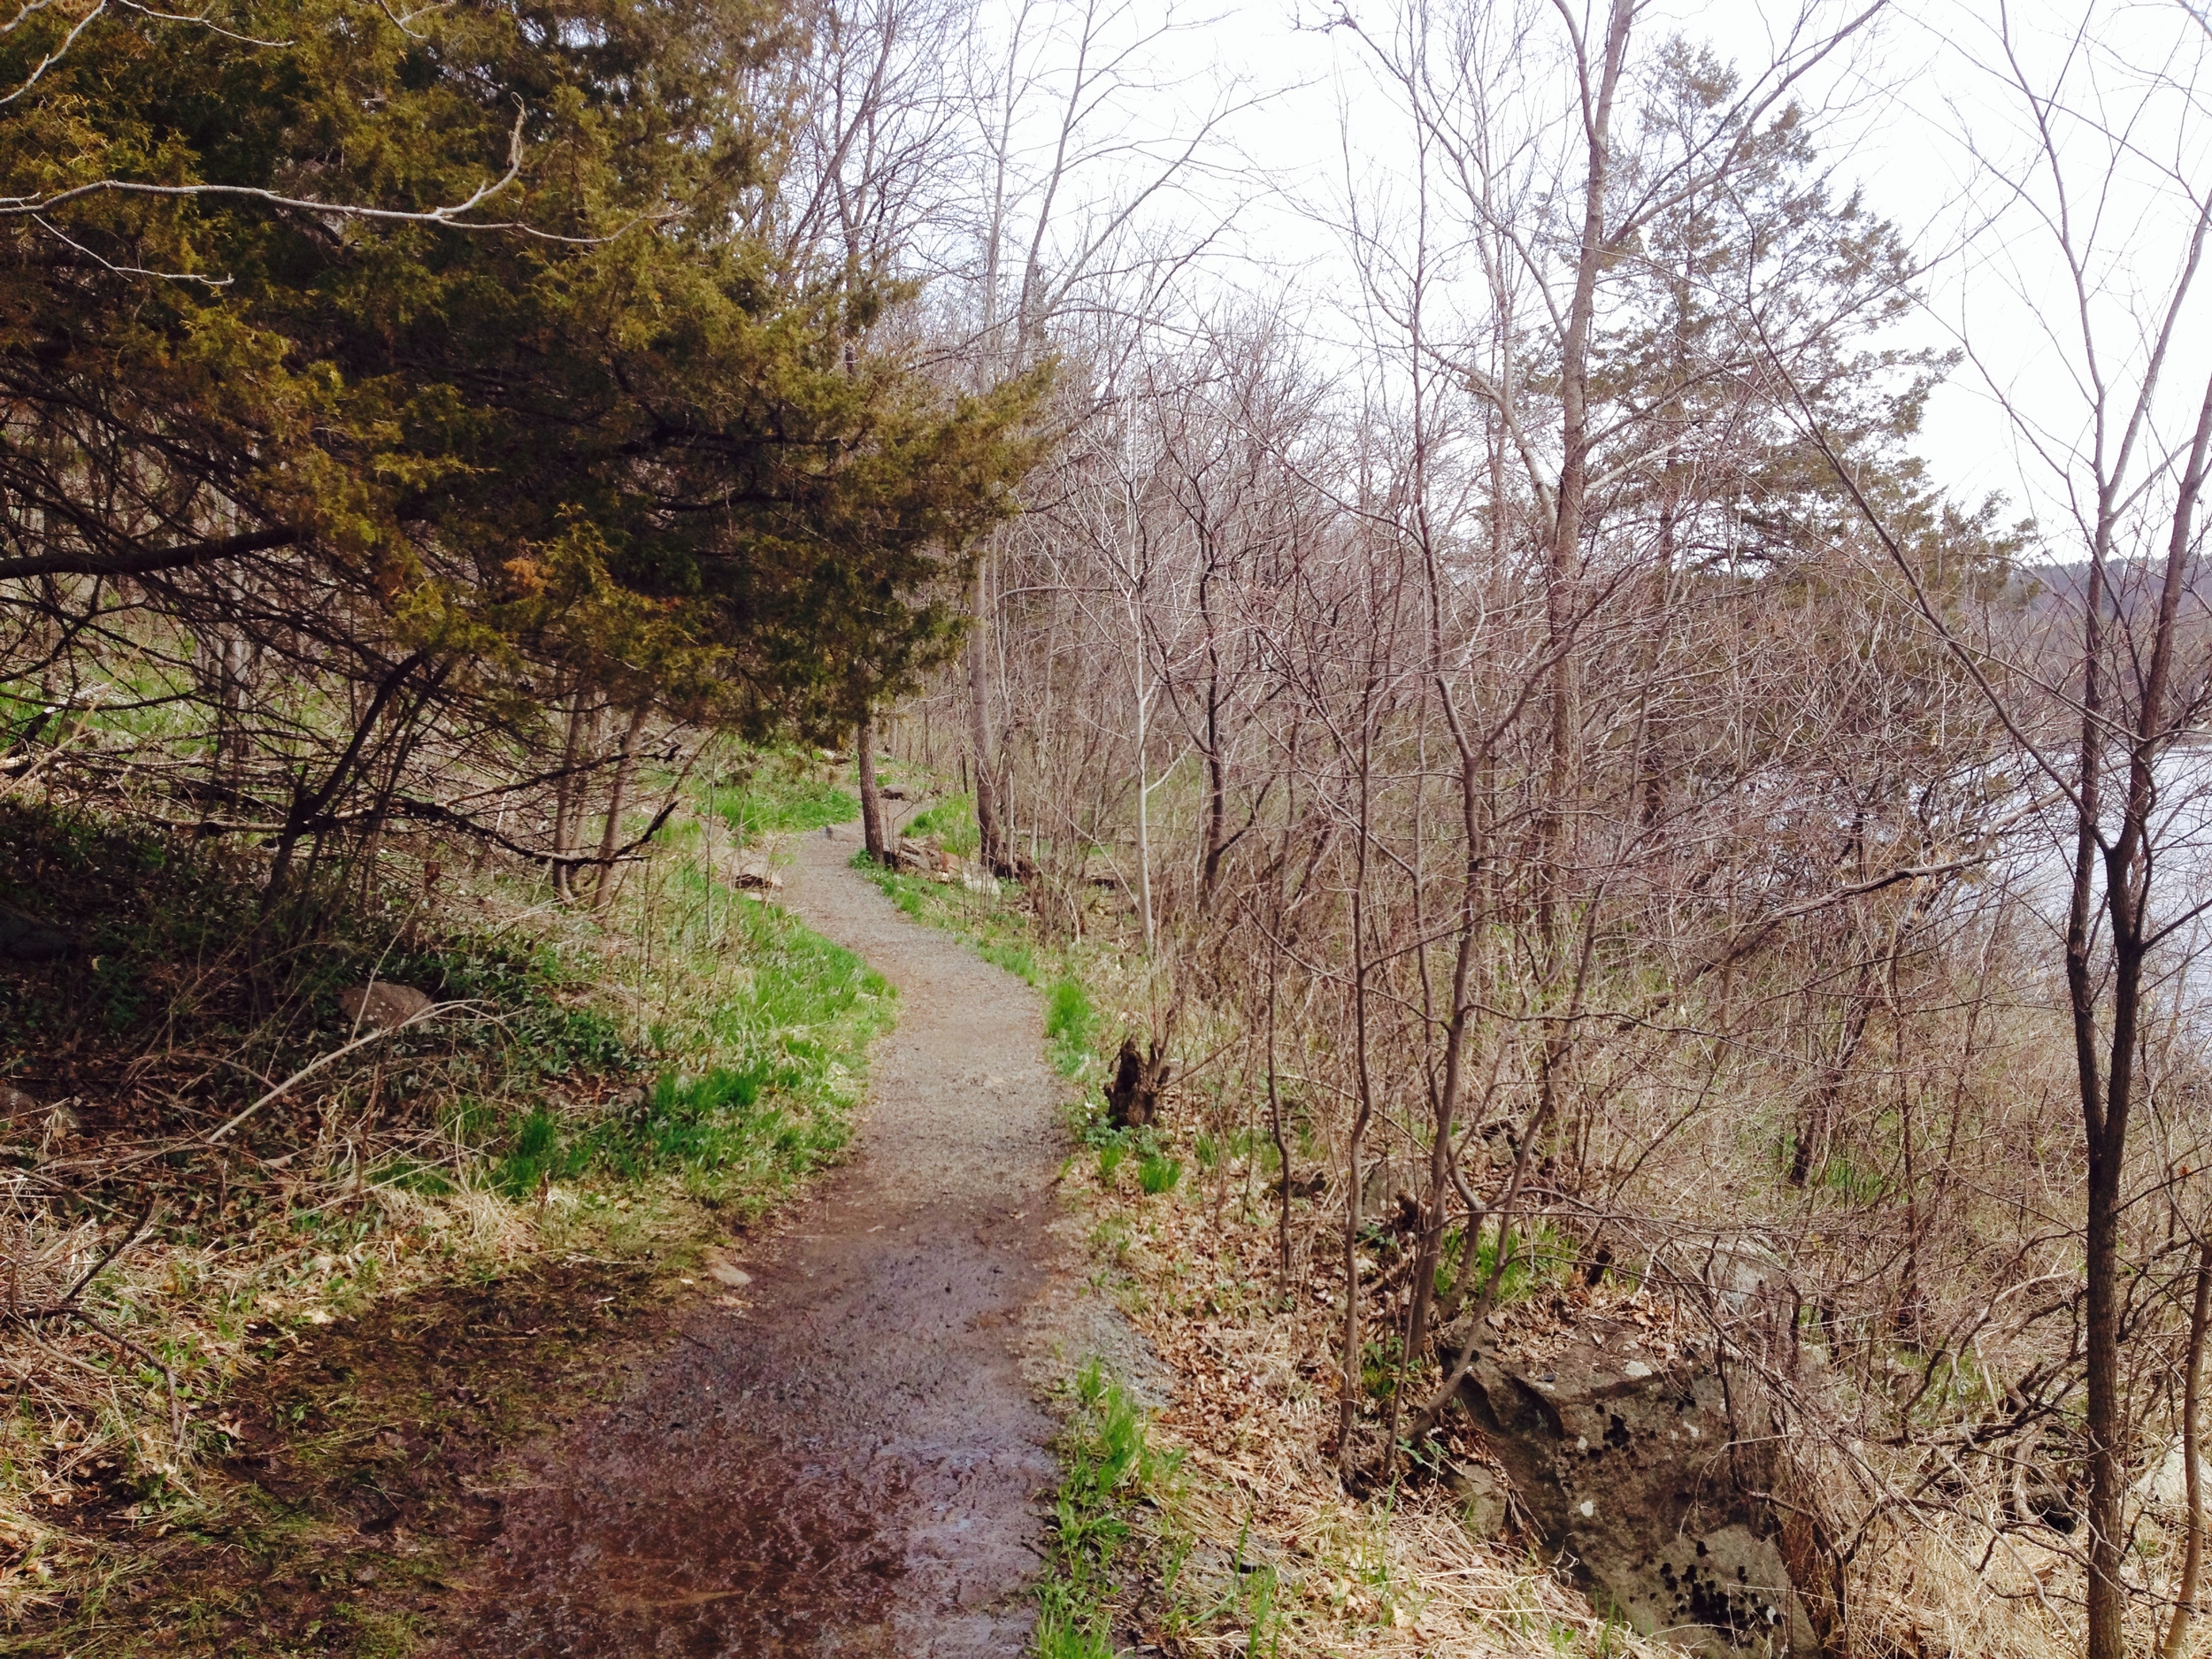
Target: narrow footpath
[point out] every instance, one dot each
(847, 1461)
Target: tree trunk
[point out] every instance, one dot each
(990, 828)
(872, 824)
(2192, 1399)
(610, 837)
(1817, 1120)
(1347, 1401)
(1564, 554)
(583, 734)
(1275, 1118)
(2106, 1099)
(310, 806)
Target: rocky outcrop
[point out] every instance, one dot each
(1620, 1460)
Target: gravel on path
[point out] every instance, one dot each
(840, 1456)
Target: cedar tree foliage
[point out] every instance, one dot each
(461, 345)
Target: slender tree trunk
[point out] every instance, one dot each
(872, 824)
(1275, 1114)
(564, 784)
(309, 806)
(583, 734)
(1144, 786)
(1428, 1253)
(2192, 1403)
(1216, 770)
(379, 815)
(1347, 1404)
(2107, 1100)
(990, 828)
(611, 836)
(1565, 553)
(1818, 1119)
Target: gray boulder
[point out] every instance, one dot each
(1622, 1463)
(381, 1006)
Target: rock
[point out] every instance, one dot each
(1482, 1498)
(380, 1006)
(1386, 1181)
(720, 1268)
(15, 1104)
(1742, 1273)
(751, 870)
(2166, 1483)
(1622, 1463)
(27, 938)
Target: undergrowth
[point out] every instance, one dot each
(1252, 1548)
(951, 823)
(1106, 1470)
(781, 794)
(612, 1084)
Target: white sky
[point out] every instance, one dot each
(1914, 104)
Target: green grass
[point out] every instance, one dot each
(1531, 1262)
(1071, 1025)
(1106, 1470)
(772, 1111)
(999, 933)
(1157, 1173)
(784, 794)
(683, 1054)
(952, 823)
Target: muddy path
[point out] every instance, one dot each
(841, 1455)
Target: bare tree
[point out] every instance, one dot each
(2099, 707)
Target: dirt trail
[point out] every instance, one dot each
(850, 1462)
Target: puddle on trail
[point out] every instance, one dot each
(850, 1465)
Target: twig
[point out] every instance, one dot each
(99, 1267)
(176, 1411)
(422, 1017)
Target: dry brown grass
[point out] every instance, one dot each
(1250, 1414)
(331, 1205)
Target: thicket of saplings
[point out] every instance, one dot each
(1702, 918)
(1843, 1138)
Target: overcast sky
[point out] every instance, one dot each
(1919, 114)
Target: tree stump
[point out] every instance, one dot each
(1133, 1097)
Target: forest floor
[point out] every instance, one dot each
(813, 1428)
(678, 1411)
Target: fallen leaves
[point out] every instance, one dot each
(1251, 1412)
